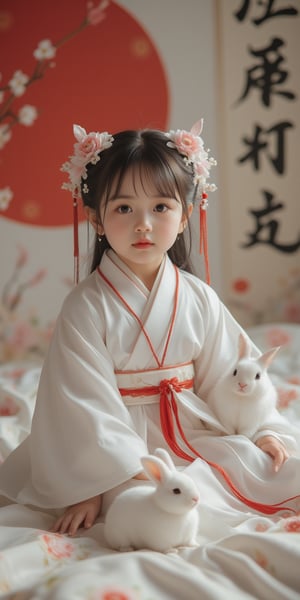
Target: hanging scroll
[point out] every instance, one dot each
(260, 122)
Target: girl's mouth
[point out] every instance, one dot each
(143, 244)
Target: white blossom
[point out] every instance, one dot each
(18, 83)
(27, 115)
(6, 196)
(45, 50)
(5, 135)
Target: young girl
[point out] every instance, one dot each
(139, 343)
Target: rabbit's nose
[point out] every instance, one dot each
(196, 499)
(242, 385)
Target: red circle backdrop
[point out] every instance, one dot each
(106, 78)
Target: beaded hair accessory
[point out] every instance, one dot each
(87, 150)
(189, 144)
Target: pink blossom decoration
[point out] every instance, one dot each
(190, 144)
(37, 277)
(186, 143)
(285, 397)
(113, 593)
(292, 525)
(57, 546)
(277, 336)
(294, 380)
(261, 527)
(86, 150)
(22, 337)
(95, 14)
(9, 408)
(292, 312)
(22, 258)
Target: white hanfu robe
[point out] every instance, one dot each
(113, 333)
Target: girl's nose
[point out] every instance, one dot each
(143, 224)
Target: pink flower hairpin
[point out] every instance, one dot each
(86, 150)
(191, 146)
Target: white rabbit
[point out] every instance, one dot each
(244, 397)
(158, 517)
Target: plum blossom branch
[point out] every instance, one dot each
(20, 82)
(44, 53)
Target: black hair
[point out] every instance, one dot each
(147, 152)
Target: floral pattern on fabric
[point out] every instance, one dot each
(35, 563)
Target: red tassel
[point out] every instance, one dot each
(203, 236)
(75, 241)
(169, 411)
(166, 419)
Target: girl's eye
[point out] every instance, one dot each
(161, 208)
(123, 209)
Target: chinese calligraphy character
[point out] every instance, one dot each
(267, 229)
(269, 12)
(260, 143)
(268, 75)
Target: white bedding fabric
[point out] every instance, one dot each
(240, 555)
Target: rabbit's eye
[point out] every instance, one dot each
(257, 376)
(176, 491)
(234, 372)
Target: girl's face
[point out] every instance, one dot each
(141, 225)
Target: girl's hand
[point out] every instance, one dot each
(275, 449)
(78, 515)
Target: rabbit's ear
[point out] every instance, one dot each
(266, 358)
(155, 468)
(244, 347)
(165, 457)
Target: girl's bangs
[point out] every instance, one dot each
(152, 174)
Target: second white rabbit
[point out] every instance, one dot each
(244, 397)
(158, 517)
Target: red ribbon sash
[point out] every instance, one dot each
(169, 418)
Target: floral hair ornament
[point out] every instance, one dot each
(191, 146)
(87, 149)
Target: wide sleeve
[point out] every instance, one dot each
(82, 440)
